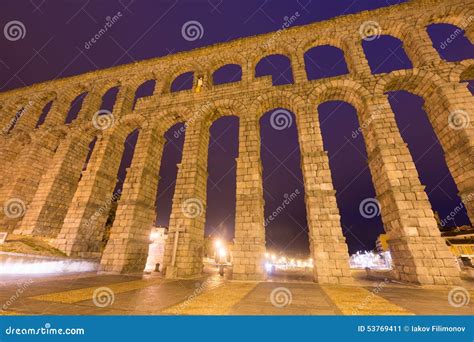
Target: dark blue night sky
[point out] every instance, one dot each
(54, 46)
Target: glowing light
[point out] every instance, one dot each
(218, 243)
(222, 252)
(154, 236)
(274, 257)
(45, 266)
(371, 260)
(267, 255)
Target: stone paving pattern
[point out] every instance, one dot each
(212, 295)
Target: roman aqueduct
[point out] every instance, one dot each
(42, 163)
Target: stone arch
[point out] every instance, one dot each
(177, 71)
(167, 118)
(421, 82)
(335, 41)
(276, 99)
(351, 92)
(462, 71)
(216, 109)
(260, 54)
(450, 15)
(216, 63)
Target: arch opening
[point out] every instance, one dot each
(75, 108)
(324, 61)
(171, 157)
(145, 89)
(44, 114)
(125, 162)
(182, 82)
(276, 66)
(221, 183)
(385, 54)
(229, 73)
(350, 173)
(450, 42)
(285, 219)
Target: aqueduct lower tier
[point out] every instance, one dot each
(42, 167)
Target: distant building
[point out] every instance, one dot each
(156, 250)
(381, 243)
(461, 243)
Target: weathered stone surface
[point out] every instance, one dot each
(41, 167)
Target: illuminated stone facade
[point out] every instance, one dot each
(42, 167)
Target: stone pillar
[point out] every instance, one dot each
(249, 245)
(298, 67)
(354, 54)
(82, 231)
(420, 254)
(452, 118)
(189, 205)
(127, 248)
(419, 47)
(25, 176)
(49, 206)
(327, 243)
